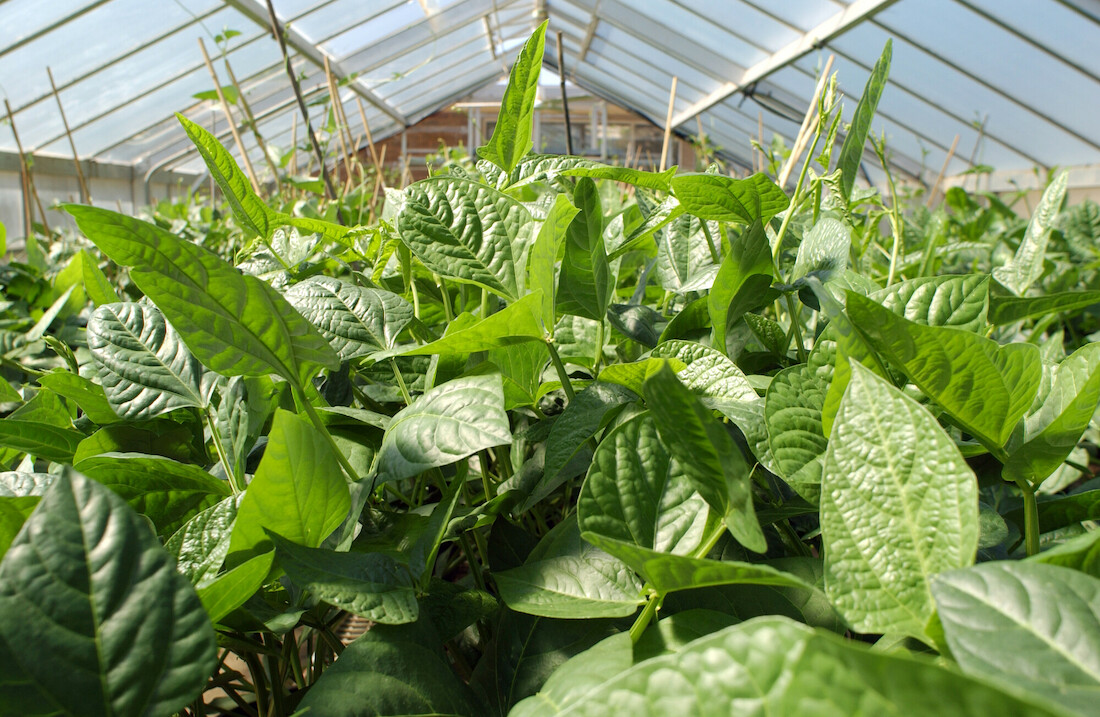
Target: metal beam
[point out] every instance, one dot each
(1089, 9)
(844, 20)
(255, 12)
(51, 27)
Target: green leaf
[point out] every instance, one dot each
(511, 138)
(201, 545)
(467, 231)
(145, 368)
(96, 285)
(661, 215)
(638, 494)
(1027, 265)
(774, 666)
(231, 589)
(235, 324)
(355, 320)
(725, 199)
(516, 323)
(42, 440)
(14, 511)
(298, 491)
(706, 454)
(632, 375)
(660, 181)
(823, 251)
(1027, 624)
(521, 368)
(684, 261)
(443, 426)
(568, 577)
(7, 393)
(851, 152)
(892, 477)
(165, 491)
(792, 414)
(984, 387)
(584, 283)
(1053, 431)
(1080, 553)
(87, 395)
(389, 672)
(637, 322)
(1007, 308)
(743, 277)
(161, 437)
(371, 585)
(708, 373)
(248, 209)
(544, 254)
(84, 582)
(585, 416)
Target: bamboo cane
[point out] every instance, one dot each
(24, 186)
(334, 95)
(943, 171)
(229, 118)
(668, 124)
(803, 136)
(85, 195)
(260, 142)
(27, 170)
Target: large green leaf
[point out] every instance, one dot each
(201, 545)
(511, 138)
(775, 666)
(248, 209)
(824, 250)
(145, 368)
(568, 577)
(1027, 265)
(1053, 430)
(707, 455)
(544, 254)
(744, 276)
(388, 671)
(1080, 553)
(84, 583)
(984, 387)
(467, 231)
(1006, 308)
(638, 494)
(684, 261)
(893, 478)
(515, 324)
(42, 440)
(725, 199)
(1026, 624)
(851, 152)
(371, 585)
(96, 285)
(298, 491)
(445, 425)
(588, 413)
(584, 283)
(228, 591)
(235, 324)
(792, 414)
(165, 491)
(708, 373)
(356, 320)
(88, 396)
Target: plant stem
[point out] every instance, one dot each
(445, 298)
(400, 382)
(484, 303)
(639, 626)
(320, 426)
(1031, 518)
(710, 243)
(563, 375)
(215, 435)
(598, 357)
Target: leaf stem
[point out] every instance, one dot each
(448, 313)
(598, 357)
(215, 436)
(1031, 518)
(639, 626)
(710, 243)
(563, 375)
(400, 381)
(320, 426)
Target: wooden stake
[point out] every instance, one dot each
(943, 171)
(298, 96)
(668, 124)
(27, 174)
(85, 195)
(366, 129)
(760, 140)
(293, 164)
(564, 98)
(229, 118)
(252, 124)
(24, 185)
(335, 97)
(803, 136)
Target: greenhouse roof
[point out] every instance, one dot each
(1017, 80)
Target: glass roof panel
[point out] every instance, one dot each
(363, 34)
(25, 18)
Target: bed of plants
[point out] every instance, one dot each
(574, 439)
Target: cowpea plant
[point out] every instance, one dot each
(569, 448)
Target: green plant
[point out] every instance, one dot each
(571, 450)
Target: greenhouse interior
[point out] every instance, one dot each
(549, 357)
